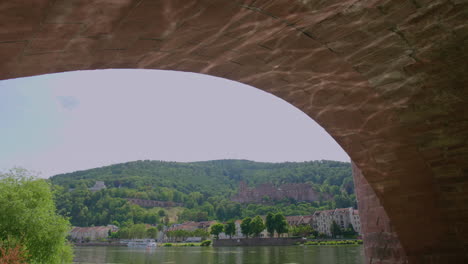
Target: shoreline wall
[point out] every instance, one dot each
(246, 242)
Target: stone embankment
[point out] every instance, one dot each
(287, 241)
(107, 244)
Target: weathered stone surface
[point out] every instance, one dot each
(386, 78)
(382, 244)
(258, 194)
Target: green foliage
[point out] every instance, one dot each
(152, 232)
(28, 216)
(349, 232)
(216, 229)
(209, 176)
(245, 226)
(183, 234)
(280, 223)
(200, 233)
(335, 229)
(12, 252)
(270, 224)
(167, 245)
(302, 230)
(257, 226)
(206, 243)
(321, 235)
(160, 227)
(230, 228)
(204, 189)
(133, 231)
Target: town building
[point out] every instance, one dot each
(192, 226)
(294, 220)
(322, 220)
(99, 185)
(86, 234)
(188, 226)
(297, 220)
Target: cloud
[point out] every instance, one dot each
(68, 102)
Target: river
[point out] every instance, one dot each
(224, 255)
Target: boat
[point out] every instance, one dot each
(146, 243)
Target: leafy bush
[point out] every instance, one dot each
(167, 245)
(28, 216)
(13, 254)
(206, 243)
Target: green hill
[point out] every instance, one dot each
(204, 188)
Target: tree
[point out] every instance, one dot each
(13, 255)
(281, 225)
(203, 189)
(123, 233)
(302, 230)
(245, 226)
(270, 224)
(335, 229)
(137, 231)
(152, 232)
(230, 228)
(28, 217)
(160, 227)
(257, 226)
(349, 232)
(216, 229)
(200, 233)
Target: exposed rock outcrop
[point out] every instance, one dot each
(267, 192)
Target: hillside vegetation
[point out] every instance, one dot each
(204, 188)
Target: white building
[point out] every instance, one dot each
(92, 233)
(322, 220)
(99, 185)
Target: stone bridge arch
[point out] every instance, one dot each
(386, 78)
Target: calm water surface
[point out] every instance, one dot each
(225, 255)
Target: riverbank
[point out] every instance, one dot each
(179, 244)
(287, 241)
(333, 242)
(100, 244)
(250, 242)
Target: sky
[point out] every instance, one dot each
(64, 122)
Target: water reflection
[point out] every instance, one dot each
(226, 255)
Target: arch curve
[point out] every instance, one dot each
(387, 79)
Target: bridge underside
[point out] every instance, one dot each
(386, 78)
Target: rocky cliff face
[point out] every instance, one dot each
(267, 191)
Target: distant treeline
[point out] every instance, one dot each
(204, 188)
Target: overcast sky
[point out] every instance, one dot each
(79, 120)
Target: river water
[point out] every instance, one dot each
(224, 255)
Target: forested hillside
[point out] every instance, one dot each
(204, 189)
